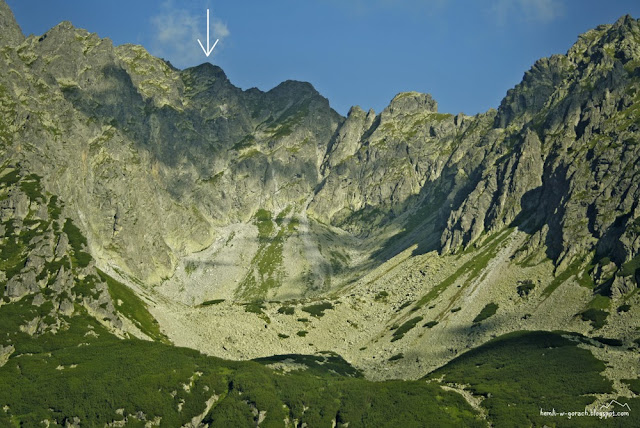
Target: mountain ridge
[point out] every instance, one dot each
(257, 223)
(145, 210)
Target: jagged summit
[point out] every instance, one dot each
(208, 69)
(411, 102)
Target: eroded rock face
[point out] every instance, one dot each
(155, 158)
(578, 153)
(46, 270)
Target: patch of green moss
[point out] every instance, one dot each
(471, 268)
(624, 308)
(31, 186)
(630, 267)
(572, 270)
(488, 311)
(525, 287)
(286, 310)
(267, 272)
(246, 142)
(381, 296)
(396, 357)
(597, 317)
(256, 307)
(405, 328)
(317, 310)
(212, 302)
(634, 385)
(131, 306)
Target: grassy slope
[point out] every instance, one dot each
(60, 380)
(523, 372)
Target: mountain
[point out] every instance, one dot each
(145, 208)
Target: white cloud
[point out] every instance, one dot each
(220, 30)
(538, 11)
(176, 32)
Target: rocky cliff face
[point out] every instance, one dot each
(47, 278)
(570, 172)
(559, 159)
(158, 165)
(154, 159)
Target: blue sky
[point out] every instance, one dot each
(466, 53)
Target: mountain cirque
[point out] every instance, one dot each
(259, 223)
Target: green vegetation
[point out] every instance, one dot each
(609, 341)
(286, 310)
(49, 382)
(291, 118)
(10, 178)
(214, 179)
(430, 324)
(396, 357)
(338, 261)
(54, 208)
(598, 317)
(381, 296)
(600, 302)
(404, 305)
(324, 364)
(190, 267)
(318, 309)
(525, 287)
(631, 267)
(302, 333)
(522, 372)
(488, 311)
(267, 272)
(132, 307)
(471, 268)
(31, 186)
(78, 242)
(212, 302)
(405, 328)
(255, 307)
(246, 142)
(573, 269)
(634, 385)
(456, 309)
(624, 308)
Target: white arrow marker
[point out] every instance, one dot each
(208, 51)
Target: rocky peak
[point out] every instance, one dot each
(625, 25)
(209, 71)
(205, 77)
(599, 54)
(293, 91)
(412, 102)
(10, 32)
